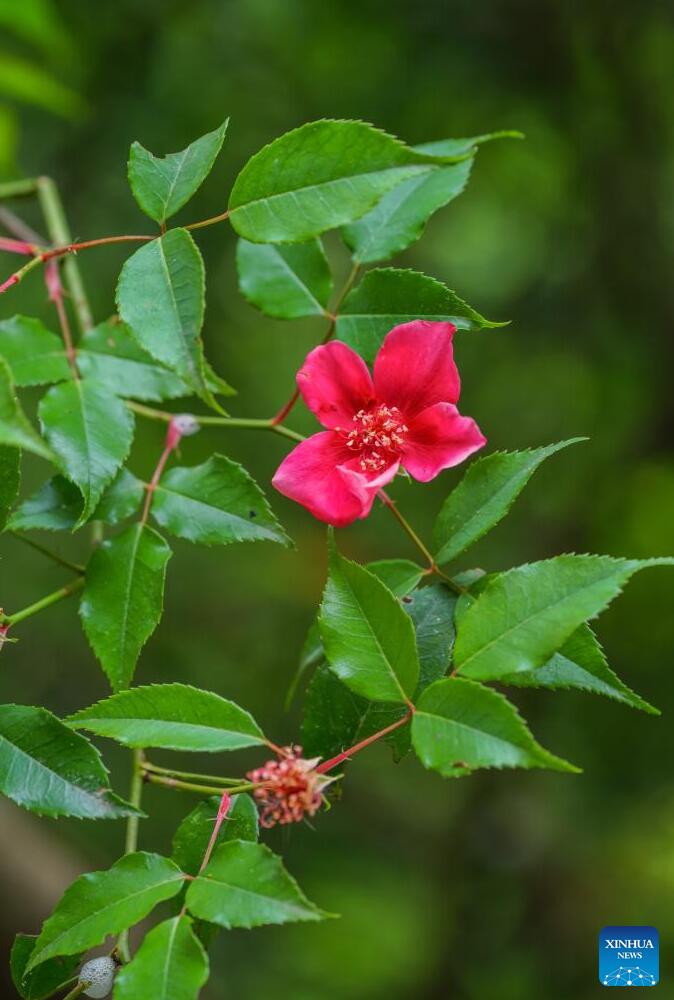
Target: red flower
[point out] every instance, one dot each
(402, 416)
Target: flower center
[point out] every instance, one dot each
(378, 436)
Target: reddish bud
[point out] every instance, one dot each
(180, 426)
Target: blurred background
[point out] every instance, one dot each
(496, 886)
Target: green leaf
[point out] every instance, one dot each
(91, 431)
(102, 903)
(286, 280)
(400, 218)
(34, 354)
(245, 885)
(172, 717)
(46, 979)
(317, 177)
(523, 617)
(52, 771)
(580, 663)
(123, 598)
(170, 964)
(160, 296)
(10, 477)
(15, 430)
(163, 184)
(460, 147)
(401, 576)
(194, 833)
(215, 504)
(335, 718)
(485, 495)
(111, 356)
(389, 296)
(57, 505)
(460, 725)
(368, 638)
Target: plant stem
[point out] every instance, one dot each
(18, 189)
(209, 222)
(54, 556)
(77, 991)
(152, 485)
(411, 533)
(44, 602)
(190, 774)
(131, 841)
(328, 765)
(59, 234)
(329, 334)
(188, 786)
(243, 423)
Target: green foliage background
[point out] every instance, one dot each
(497, 886)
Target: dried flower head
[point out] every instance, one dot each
(291, 790)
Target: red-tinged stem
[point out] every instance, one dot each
(329, 334)
(55, 290)
(223, 809)
(154, 482)
(328, 765)
(209, 222)
(16, 246)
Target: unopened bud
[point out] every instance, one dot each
(180, 426)
(99, 973)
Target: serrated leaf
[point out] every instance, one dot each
(459, 147)
(123, 598)
(580, 663)
(10, 477)
(389, 296)
(170, 964)
(335, 718)
(90, 431)
(485, 495)
(160, 296)
(399, 219)
(111, 356)
(400, 576)
(47, 978)
(286, 280)
(194, 833)
(35, 355)
(52, 771)
(172, 717)
(317, 177)
(460, 725)
(215, 504)
(102, 903)
(15, 429)
(367, 637)
(522, 617)
(163, 184)
(245, 885)
(57, 505)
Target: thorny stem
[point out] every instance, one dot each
(44, 602)
(131, 840)
(329, 334)
(54, 556)
(328, 765)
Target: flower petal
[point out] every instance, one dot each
(415, 367)
(335, 383)
(439, 438)
(321, 474)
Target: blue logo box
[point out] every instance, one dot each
(629, 956)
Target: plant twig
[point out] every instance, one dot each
(43, 550)
(328, 765)
(131, 840)
(44, 602)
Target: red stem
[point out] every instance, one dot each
(328, 765)
(156, 476)
(225, 803)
